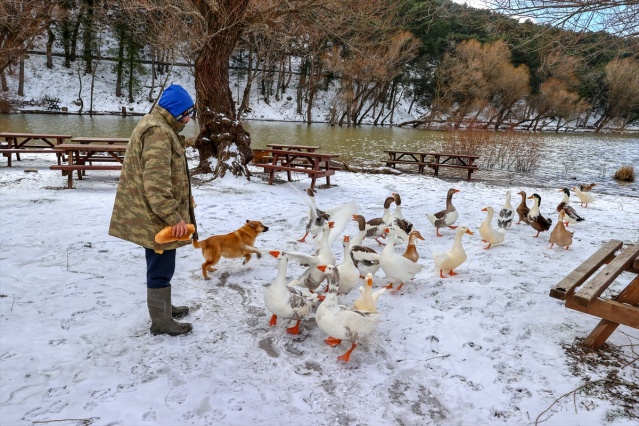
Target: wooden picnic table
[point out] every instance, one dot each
(434, 160)
(623, 309)
(305, 148)
(81, 157)
(100, 140)
(314, 164)
(22, 143)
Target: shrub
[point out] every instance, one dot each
(625, 173)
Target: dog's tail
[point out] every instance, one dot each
(196, 243)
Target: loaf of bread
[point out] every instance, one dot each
(164, 236)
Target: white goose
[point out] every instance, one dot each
(585, 198)
(349, 274)
(312, 277)
(506, 214)
(449, 260)
(287, 302)
(341, 322)
(316, 217)
(398, 269)
(489, 234)
(367, 300)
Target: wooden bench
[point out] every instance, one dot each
(314, 164)
(437, 160)
(82, 156)
(623, 309)
(68, 170)
(21, 143)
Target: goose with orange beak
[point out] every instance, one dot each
(340, 322)
(286, 302)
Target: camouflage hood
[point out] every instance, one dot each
(154, 189)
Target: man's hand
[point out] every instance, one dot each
(179, 229)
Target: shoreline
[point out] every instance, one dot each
(443, 128)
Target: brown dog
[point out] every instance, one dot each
(238, 243)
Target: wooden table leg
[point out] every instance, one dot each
(605, 328)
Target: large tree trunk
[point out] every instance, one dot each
(220, 129)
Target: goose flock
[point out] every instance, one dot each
(302, 296)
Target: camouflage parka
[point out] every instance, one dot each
(154, 189)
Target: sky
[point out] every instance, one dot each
(486, 347)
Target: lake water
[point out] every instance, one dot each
(565, 159)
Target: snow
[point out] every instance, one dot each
(484, 347)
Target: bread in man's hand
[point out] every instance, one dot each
(165, 235)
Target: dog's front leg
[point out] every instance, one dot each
(251, 250)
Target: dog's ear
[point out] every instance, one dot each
(247, 221)
(251, 224)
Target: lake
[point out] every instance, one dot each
(565, 159)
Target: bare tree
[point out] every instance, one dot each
(20, 22)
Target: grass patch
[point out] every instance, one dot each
(625, 173)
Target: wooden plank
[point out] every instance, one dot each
(593, 289)
(611, 310)
(581, 273)
(605, 328)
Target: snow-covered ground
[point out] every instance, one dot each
(488, 346)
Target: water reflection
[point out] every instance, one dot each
(566, 159)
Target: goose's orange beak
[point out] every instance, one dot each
(347, 238)
(274, 253)
(331, 224)
(531, 197)
(322, 268)
(457, 190)
(469, 232)
(484, 209)
(370, 282)
(387, 230)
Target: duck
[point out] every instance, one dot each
(489, 234)
(312, 277)
(403, 228)
(349, 274)
(586, 187)
(570, 214)
(446, 217)
(535, 219)
(506, 214)
(367, 300)
(316, 217)
(341, 322)
(450, 260)
(411, 250)
(560, 235)
(287, 302)
(522, 208)
(365, 259)
(584, 197)
(398, 269)
(370, 229)
(375, 227)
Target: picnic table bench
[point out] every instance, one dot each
(299, 160)
(81, 157)
(433, 160)
(623, 309)
(23, 143)
(100, 140)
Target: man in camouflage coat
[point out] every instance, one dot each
(154, 192)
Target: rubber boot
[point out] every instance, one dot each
(160, 310)
(179, 311)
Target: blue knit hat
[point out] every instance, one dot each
(177, 101)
